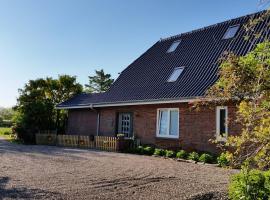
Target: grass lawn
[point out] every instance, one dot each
(7, 134)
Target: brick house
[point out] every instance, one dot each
(152, 97)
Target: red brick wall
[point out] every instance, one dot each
(82, 122)
(196, 127)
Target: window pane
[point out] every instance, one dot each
(173, 46)
(163, 122)
(230, 33)
(222, 122)
(176, 73)
(174, 120)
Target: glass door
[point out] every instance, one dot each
(125, 124)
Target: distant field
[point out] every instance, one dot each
(5, 132)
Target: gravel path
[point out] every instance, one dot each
(43, 172)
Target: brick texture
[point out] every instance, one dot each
(82, 122)
(196, 127)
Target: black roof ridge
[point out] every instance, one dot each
(211, 26)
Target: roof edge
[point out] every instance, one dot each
(133, 103)
(210, 26)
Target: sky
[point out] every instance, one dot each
(45, 38)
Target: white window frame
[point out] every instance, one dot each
(218, 135)
(169, 79)
(168, 123)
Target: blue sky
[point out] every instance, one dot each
(40, 38)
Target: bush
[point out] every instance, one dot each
(206, 158)
(169, 153)
(193, 156)
(159, 152)
(223, 160)
(25, 135)
(250, 184)
(139, 150)
(181, 154)
(267, 179)
(148, 151)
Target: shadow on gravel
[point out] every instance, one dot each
(24, 193)
(210, 196)
(7, 147)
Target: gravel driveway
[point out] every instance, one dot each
(44, 172)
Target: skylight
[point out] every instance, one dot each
(176, 73)
(173, 46)
(231, 32)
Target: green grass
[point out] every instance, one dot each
(4, 132)
(7, 134)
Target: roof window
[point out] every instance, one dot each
(231, 32)
(176, 73)
(173, 46)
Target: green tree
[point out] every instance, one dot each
(101, 82)
(246, 81)
(1, 121)
(62, 89)
(35, 109)
(6, 113)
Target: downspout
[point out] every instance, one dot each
(98, 118)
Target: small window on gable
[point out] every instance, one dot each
(231, 32)
(173, 46)
(176, 73)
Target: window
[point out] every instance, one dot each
(168, 122)
(173, 46)
(176, 73)
(221, 123)
(231, 32)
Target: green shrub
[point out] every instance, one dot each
(249, 185)
(139, 150)
(193, 156)
(169, 153)
(206, 158)
(148, 151)
(159, 152)
(267, 179)
(222, 160)
(181, 154)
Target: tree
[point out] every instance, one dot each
(1, 121)
(62, 89)
(6, 113)
(246, 80)
(35, 109)
(101, 82)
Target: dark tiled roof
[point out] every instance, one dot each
(199, 51)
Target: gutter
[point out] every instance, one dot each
(131, 103)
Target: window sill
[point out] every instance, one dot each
(167, 137)
(221, 139)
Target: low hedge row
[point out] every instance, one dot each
(182, 154)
